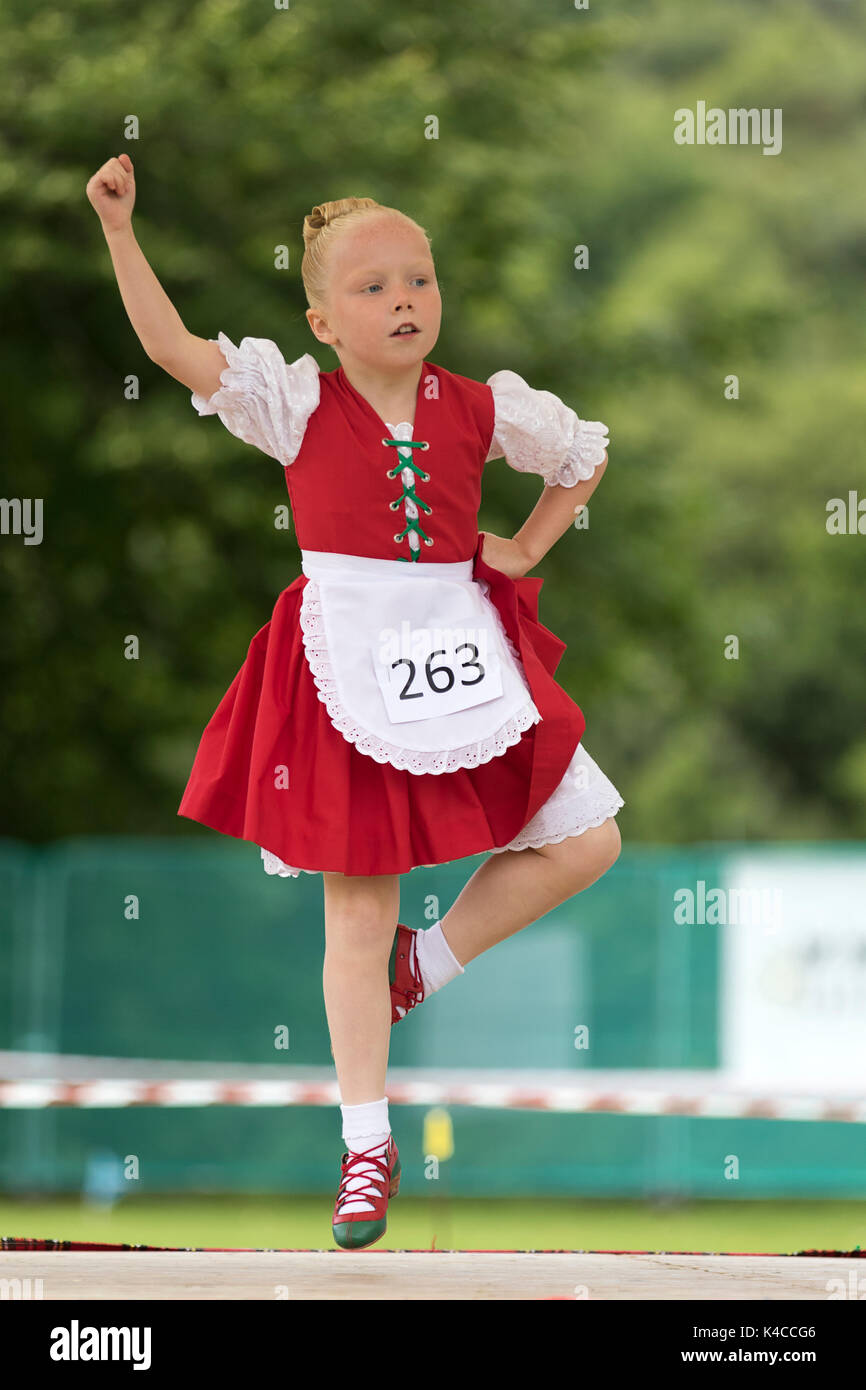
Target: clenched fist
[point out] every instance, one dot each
(111, 191)
(505, 555)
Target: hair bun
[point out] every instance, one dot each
(324, 214)
(314, 222)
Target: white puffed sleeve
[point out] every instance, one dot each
(263, 399)
(537, 433)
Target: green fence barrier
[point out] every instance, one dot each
(156, 949)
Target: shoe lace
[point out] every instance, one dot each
(370, 1183)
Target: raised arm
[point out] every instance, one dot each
(195, 362)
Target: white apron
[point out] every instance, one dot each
(412, 661)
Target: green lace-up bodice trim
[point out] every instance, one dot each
(409, 494)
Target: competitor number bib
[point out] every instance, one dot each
(430, 670)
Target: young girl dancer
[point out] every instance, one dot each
(400, 708)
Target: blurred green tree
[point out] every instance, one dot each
(555, 130)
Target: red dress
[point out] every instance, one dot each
(271, 766)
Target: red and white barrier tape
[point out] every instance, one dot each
(568, 1099)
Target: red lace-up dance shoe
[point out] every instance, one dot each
(354, 1230)
(407, 988)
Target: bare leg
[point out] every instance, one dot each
(514, 888)
(361, 915)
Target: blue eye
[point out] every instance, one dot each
(377, 285)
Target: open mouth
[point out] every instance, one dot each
(405, 332)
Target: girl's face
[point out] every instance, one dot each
(380, 275)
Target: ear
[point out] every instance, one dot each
(319, 326)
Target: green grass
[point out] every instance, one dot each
(461, 1223)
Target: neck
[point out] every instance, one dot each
(392, 389)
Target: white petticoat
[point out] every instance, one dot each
(584, 798)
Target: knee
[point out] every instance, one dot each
(581, 859)
(599, 851)
(359, 929)
(611, 844)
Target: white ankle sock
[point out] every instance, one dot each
(365, 1127)
(436, 961)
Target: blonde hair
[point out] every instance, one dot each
(321, 228)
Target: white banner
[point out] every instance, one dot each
(793, 970)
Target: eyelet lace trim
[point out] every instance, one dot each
(273, 864)
(536, 432)
(585, 453)
(262, 399)
(560, 826)
(382, 751)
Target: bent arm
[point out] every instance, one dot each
(552, 515)
(195, 362)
